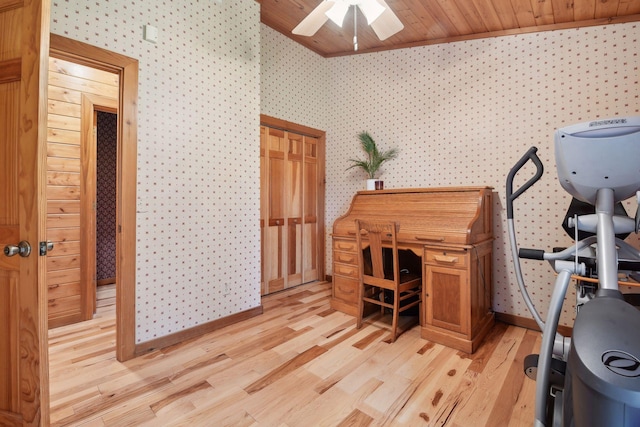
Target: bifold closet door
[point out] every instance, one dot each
(294, 191)
(310, 195)
(288, 208)
(273, 209)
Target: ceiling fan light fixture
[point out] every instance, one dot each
(314, 20)
(382, 19)
(371, 9)
(337, 12)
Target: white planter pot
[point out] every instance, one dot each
(371, 184)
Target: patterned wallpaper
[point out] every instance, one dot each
(462, 114)
(295, 82)
(106, 168)
(198, 247)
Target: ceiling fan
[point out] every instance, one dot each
(379, 15)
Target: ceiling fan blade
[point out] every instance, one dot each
(371, 10)
(316, 19)
(338, 12)
(387, 23)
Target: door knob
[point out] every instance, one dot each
(23, 249)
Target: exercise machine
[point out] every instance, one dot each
(593, 377)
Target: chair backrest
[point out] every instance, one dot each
(373, 233)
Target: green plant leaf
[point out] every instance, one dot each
(374, 157)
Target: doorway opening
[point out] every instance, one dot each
(126, 69)
(106, 124)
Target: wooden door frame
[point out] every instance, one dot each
(127, 70)
(91, 104)
(273, 122)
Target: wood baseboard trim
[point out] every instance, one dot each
(63, 320)
(196, 331)
(529, 323)
(328, 278)
(107, 281)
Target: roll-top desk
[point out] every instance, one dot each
(450, 229)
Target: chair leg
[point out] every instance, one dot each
(360, 306)
(395, 315)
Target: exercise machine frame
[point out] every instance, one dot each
(592, 378)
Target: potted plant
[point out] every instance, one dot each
(374, 159)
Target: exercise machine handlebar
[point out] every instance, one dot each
(511, 195)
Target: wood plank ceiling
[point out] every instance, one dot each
(441, 21)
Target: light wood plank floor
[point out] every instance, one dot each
(299, 364)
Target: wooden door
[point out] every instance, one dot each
(264, 206)
(447, 298)
(24, 46)
(310, 195)
(294, 191)
(291, 206)
(274, 219)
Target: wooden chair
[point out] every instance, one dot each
(405, 288)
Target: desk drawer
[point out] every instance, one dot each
(345, 257)
(345, 270)
(345, 289)
(344, 245)
(447, 258)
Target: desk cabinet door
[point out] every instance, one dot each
(447, 299)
